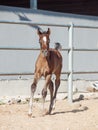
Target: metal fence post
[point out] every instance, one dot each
(33, 4)
(70, 65)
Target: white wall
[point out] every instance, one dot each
(12, 35)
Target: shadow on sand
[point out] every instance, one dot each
(85, 108)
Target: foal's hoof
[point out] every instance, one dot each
(46, 112)
(30, 115)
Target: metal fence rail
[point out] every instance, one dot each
(17, 49)
(50, 24)
(70, 50)
(37, 49)
(33, 24)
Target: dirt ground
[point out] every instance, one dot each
(80, 115)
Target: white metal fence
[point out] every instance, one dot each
(70, 50)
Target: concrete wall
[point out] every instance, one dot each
(12, 35)
(21, 88)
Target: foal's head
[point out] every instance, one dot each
(44, 41)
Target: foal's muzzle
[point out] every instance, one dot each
(45, 52)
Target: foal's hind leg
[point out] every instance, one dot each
(33, 89)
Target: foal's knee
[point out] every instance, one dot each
(44, 93)
(33, 87)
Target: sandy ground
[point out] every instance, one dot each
(80, 115)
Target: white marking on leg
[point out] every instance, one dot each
(54, 103)
(43, 104)
(30, 105)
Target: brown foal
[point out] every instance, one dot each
(48, 62)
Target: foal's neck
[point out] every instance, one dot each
(45, 57)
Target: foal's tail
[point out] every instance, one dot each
(58, 46)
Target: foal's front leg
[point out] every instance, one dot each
(44, 90)
(51, 88)
(33, 89)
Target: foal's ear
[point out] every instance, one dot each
(38, 31)
(48, 32)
